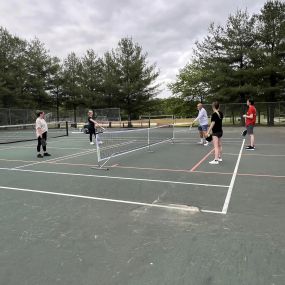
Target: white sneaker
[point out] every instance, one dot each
(206, 144)
(200, 143)
(220, 159)
(92, 143)
(214, 162)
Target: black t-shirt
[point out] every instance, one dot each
(91, 124)
(218, 127)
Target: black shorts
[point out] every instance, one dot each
(92, 131)
(218, 134)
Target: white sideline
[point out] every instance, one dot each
(113, 177)
(178, 207)
(58, 158)
(230, 190)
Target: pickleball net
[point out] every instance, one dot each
(114, 143)
(27, 132)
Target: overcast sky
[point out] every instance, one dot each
(166, 30)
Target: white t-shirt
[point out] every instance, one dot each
(202, 117)
(41, 124)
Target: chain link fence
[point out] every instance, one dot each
(268, 113)
(28, 116)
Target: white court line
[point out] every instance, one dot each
(260, 154)
(57, 158)
(230, 190)
(114, 177)
(72, 156)
(17, 147)
(50, 147)
(180, 208)
(194, 142)
(255, 154)
(212, 212)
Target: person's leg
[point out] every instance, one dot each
(220, 148)
(216, 149)
(247, 136)
(45, 146)
(39, 147)
(251, 138)
(201, 135)
(91, 133)
(44, 138)
(204, 130)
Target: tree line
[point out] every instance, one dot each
(244, 58)
(31, 78)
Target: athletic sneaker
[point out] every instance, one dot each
(47, 154)
(214, 162)
(220, 159)
(250, 147)
(206, 144)
(91, 143)
(39, 156)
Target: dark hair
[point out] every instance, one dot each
(216, 105)
(39, 113)
(251, 101)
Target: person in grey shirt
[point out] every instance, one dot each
(202, 118)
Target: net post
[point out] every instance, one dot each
(100, 167)
(66, 127)
(173, 126)
(98, 149)
(148, 141)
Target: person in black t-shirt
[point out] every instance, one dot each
(92, 127)
(216, 127)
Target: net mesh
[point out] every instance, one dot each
(111, 144)
(27, 132)
(156, 120)
(108, 114)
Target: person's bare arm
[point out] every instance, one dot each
(248, 116)
(210, 128)
(97, 124)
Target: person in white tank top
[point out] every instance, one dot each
(41, 133)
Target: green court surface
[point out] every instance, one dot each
(165, 217)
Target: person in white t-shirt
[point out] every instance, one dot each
(41, 133)
(202, 118)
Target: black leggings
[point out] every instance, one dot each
(44, 136)
(91, 133)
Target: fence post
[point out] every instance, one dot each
(279, 113)
(10, 118)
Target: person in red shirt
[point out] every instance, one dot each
(250, 119)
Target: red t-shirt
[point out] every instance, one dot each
(251, 110)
